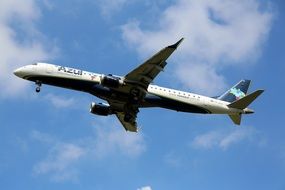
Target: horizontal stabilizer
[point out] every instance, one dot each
(245, 101)
(236, 119)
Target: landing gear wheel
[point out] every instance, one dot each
(134, 95)
(38, 89)
(39, 84)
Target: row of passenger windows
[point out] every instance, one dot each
(90, 74)
(174, 91)
(182, 93)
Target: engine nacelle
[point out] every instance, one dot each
(100, 109)
(111, 81)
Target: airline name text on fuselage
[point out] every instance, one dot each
(69, 70)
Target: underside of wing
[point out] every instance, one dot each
(126, 113)
(145, 73)
(130, 125)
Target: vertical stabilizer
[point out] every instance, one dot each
(236, 92)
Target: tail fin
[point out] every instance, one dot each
(237, 92)
(242, 104)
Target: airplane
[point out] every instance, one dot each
(127, 94)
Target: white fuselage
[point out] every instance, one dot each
(62, 76)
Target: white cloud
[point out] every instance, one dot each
(207, 140)
(222, 139)
(60, 102)
(172, 159)
(109, 7)
(42, 137)
(202, 77)
(145, 188)
(21, 43)
(62, 156)
(62, 161)
(112, 138)
(218, 33)
(233, 138)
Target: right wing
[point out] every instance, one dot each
(146, 72)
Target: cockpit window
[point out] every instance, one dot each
(35, 64)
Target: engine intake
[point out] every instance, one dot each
(100, 109)
(111, 81)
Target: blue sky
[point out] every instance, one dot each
(51, 141)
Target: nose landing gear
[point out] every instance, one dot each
(39, 84)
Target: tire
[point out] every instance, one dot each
(38, 89)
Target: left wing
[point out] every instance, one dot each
(126, 113)
(130, 125)
(145, 73)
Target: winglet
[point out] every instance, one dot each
(174, 46)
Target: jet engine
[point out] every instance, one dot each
(100, 109)
(111, 81)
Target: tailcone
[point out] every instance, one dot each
(248, 111)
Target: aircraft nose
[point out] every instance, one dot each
(18, 72)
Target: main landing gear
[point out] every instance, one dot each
(39, 84)
(134, 95)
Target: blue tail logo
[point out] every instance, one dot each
(237, 93)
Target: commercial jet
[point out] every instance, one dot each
(127, 94)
